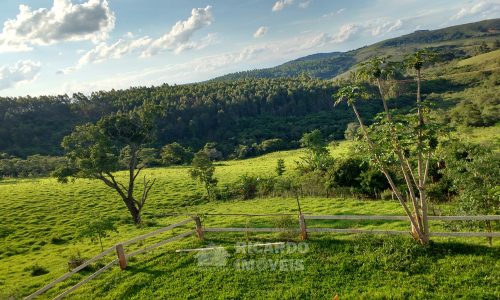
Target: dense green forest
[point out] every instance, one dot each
(229, 113)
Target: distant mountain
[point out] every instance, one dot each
(455, 41)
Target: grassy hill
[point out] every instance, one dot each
(456, 41)
(41, 218)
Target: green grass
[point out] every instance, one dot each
(492, 58)
(356, 268)
(40, 220)
(482, 135)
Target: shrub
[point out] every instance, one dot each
(280, 167)
(37, 270)
(387, 195)
(175, 154)
(75, 260)
(56, 240)
(265, 186)
(248, 187)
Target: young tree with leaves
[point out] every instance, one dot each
(318, 156)
(97, 228)
(96, 151)
(203, 170)
(280, 167)
(395, 137)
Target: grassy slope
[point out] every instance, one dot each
(492, 58)
(43, 216)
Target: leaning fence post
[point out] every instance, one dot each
(303, 230)
(122, 259)
(199, 228)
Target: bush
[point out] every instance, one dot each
(75, 260)
(37, 270)
(248, 187)
(175, 154)
(346, 172)
(387, 195)
(373, 182)
(56, 240)
(265, 186)
(280, 167)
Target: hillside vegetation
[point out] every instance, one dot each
(41, 221)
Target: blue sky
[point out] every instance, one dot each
(66, 46)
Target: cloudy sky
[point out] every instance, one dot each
(65, 46)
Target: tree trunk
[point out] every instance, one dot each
(421, 173)
(134, 211)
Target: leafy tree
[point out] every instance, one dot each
(473, 171)
(96, 151)
(318, 156)
(203, 170)
(373, 182)
(211, 150)
(280, 167)
(346, 172)
(97, 228)
(175, 154)
(351, 131)
(483, 48)
(388, 140)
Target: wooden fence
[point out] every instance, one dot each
(122, 256)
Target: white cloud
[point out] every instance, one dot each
(481, 8)
(334, 13)
(345, 33)
(178, 39)
(22, 71)
(280, 4)
(64, 21)
(381, 27)
(305, 4)
(120, 48)
(260, 32)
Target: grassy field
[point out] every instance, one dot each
(40, 220)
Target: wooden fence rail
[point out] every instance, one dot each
(119, 248)
(402, 218)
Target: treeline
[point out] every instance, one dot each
(235, 115)
(32, 166)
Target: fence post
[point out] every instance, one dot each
(199, 228)
(303, 230)
(122, 259)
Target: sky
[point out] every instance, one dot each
(64, 46)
